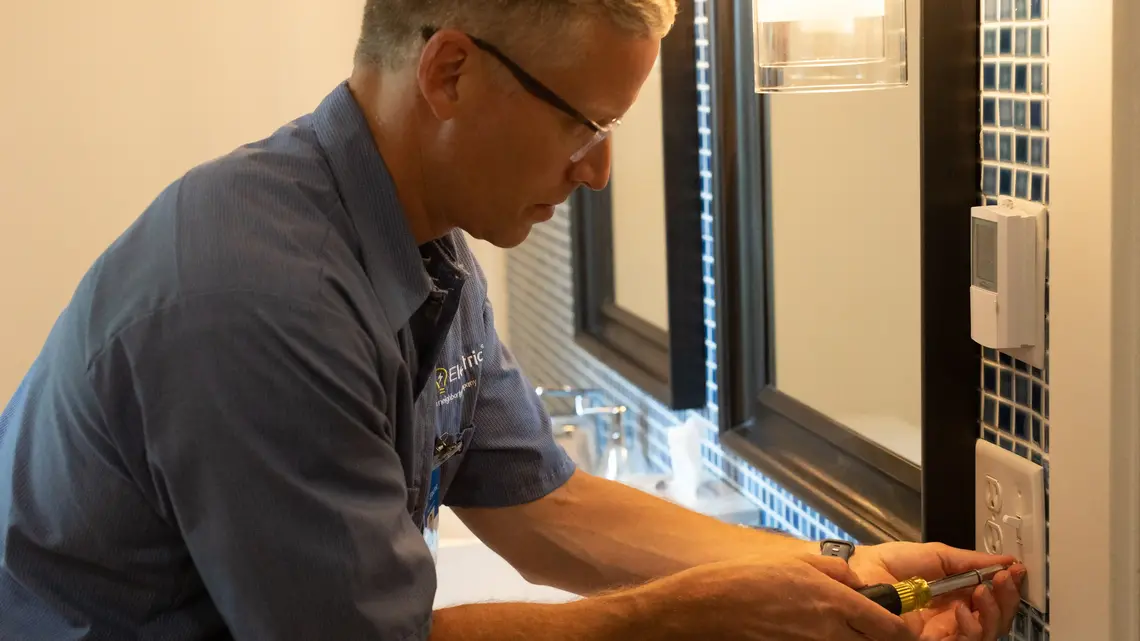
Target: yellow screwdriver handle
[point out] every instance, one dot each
(903, 597)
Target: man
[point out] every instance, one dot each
(234, 430)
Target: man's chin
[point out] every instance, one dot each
(511, 237)
(544, 212)
(516, 238)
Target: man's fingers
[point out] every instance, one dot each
(866, 618)
(1008, 598)
(969, 629)
(880, 625)
(989, 613)
(836, 569)
(872, 620)
(939, 627)
(920, 623)
(956, 561)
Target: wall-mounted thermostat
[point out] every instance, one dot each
(1007, 290)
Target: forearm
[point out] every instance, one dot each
(626, 536)
(593, 535)
(616, 617)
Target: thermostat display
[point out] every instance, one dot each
(985, 254)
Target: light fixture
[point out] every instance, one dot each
(829, 45)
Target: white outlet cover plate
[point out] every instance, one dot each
(1009, 504)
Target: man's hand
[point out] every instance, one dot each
(983, 615)
(764, 599)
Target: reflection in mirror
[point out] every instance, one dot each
(638, 205)
(845, 259)
(636, 312)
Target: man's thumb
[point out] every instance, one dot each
(836, 569)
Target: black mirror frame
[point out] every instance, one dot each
(669, 366)
(871, 493)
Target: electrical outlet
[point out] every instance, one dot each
(1010, 513)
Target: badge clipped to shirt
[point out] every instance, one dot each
(446, 447)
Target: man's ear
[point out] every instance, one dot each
(446, 60)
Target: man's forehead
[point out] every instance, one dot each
(606, 88)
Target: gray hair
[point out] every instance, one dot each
(391, 33)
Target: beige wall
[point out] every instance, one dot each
(1094, 320)
(104, 103)
(493, 260)
(845, 230)
(640, 278)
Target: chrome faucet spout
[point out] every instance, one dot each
(613, 461)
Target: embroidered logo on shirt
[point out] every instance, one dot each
(461, 371)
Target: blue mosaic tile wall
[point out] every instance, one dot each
(1015, 162)
(541, 309)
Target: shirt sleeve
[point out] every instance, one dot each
(266, 435)
(512, 458)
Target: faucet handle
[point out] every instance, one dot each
(579, 394)
(564, 392)
(584, 399)
(617, 411)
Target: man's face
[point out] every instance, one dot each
(512, 148)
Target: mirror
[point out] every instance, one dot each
(845, 369)
(638, 275)
(845, 268)
(637, 168)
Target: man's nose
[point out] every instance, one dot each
(593, 170)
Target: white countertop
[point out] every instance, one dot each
(470, 572)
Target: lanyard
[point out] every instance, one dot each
(446, 447)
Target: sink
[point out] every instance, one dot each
(463, 556)
(468, 571)
(713, 497)
(579, 439)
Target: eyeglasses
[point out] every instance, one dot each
(534, 87)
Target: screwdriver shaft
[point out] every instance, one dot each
(964, 580)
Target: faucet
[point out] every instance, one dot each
(615, 456)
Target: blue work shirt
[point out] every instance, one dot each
(229, 431)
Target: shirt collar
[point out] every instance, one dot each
(391, 258)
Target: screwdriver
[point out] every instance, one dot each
(915, 594)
